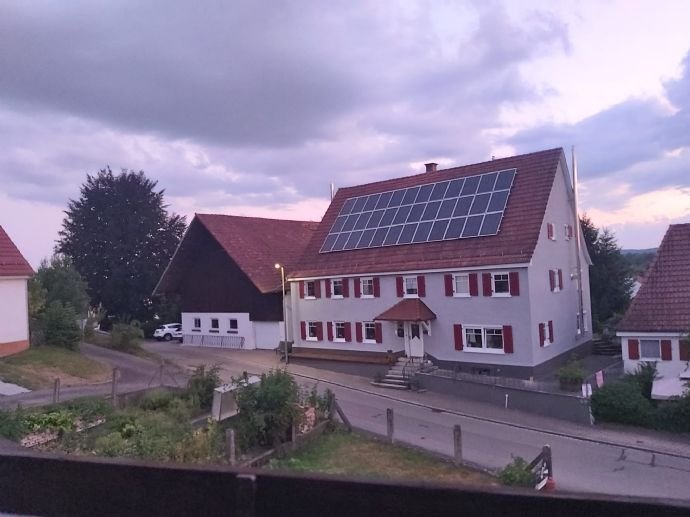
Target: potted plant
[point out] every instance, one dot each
(570, 376)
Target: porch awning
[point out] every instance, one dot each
(669, 387)
(409, 309)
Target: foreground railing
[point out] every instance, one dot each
(41, 484)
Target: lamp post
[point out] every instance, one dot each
(285, 336)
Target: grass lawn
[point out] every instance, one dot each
(38, 367)
(103, 340)
(358, 456)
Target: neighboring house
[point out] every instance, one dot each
(655, 326)
(223, 274)
(15, 272)
(474, 267)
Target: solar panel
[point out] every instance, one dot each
(443, 210)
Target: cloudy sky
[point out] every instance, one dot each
(253, 108)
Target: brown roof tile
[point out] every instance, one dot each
(513, 244)
(409, 309)
(663, 302)
(12, 263)
(256, 244)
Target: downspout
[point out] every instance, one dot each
(578, 229)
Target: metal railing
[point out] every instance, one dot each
(215, 341)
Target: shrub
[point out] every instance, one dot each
(126, 336)
(156, 401)
(674, 415)
(201, 385)
(643, 378)
(59, 323)
(112, 445)
(623, 403)
(571, 373)
(12, 424)
(517, 473)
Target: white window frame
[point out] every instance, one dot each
(547, 341)
(232, 330)
(197, 323)
(553, 231)
(335, 332)
(333, 281)
(483, 349)
(372, 325)
(650, 359)
(366, 281)
(556, 287)
(216, 329)
(493, 285)
(308, 296)
(457, 294)
(313, 324)
(416, 287)
(565, 231)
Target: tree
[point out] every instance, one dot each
(610, 282)
(60, 325)
(62, 282)
(120, 237)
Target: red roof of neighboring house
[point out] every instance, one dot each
(12, 263)
(409, 309)
(514, 243)
(663, 302)
(256, 244)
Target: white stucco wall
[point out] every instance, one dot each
(245, 328)
(672, 368)
(267, 334)
(14, 312)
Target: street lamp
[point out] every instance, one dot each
(285, 336)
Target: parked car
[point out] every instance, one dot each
(168, 332)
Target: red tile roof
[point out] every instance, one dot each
(663, 302)
(409, 309)
(514, 243)
(256, 244)
(12, 263)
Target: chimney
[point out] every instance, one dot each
(431, 167)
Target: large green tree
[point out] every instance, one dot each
(610, 281)
(62, 282)
(120, 237)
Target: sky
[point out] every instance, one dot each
(254, 108)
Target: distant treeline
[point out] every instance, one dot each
(638, 260)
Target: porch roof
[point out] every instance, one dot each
(409, 309)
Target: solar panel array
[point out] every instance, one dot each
(440, 211)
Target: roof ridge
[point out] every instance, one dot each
(256, 218)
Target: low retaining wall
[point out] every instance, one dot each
(565, 407)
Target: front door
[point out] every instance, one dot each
(414, 340)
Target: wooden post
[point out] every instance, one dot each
(457, 444)
(342, 415)
(56, 391)
(230, 446)
(113, 394)
(390, 424)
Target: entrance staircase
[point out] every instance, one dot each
(399, 375)
(606, 347)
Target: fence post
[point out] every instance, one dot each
(56, 391)
(113, 394)
(457, 444)
(550, 485)
(390, 424)
(230, 446)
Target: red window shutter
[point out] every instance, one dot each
(684, 349)
(301, 288)
(329, 330)
(549, 230)
(317, 288)
(399, 286)
(346, 287)
(508, 339)
(377, 287)
(552, 280)
(348, 331)
(560, 279)
(666, 353)
(633, 349)
(319, 330)
(514, 283)
(448, 281)
(358, 287)
(358, 331)
(378, 329)
(328, 287)
(457, 333)
(542, 336)
(421, 286)
(550, 331)
(474, 285)
(486, 284)
(303, 329)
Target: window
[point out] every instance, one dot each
(197, 323)
(411, 287)
(461, 285)
(339, 331)
(501, 284)
(367, 287)
(214, 325)
(550, 231)
(650, 349)
(578, 327)
(312, 332)
(337, 286)
(233, 326)
(311, 289)
(369, 332)
(400, 329)
(484, 339)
